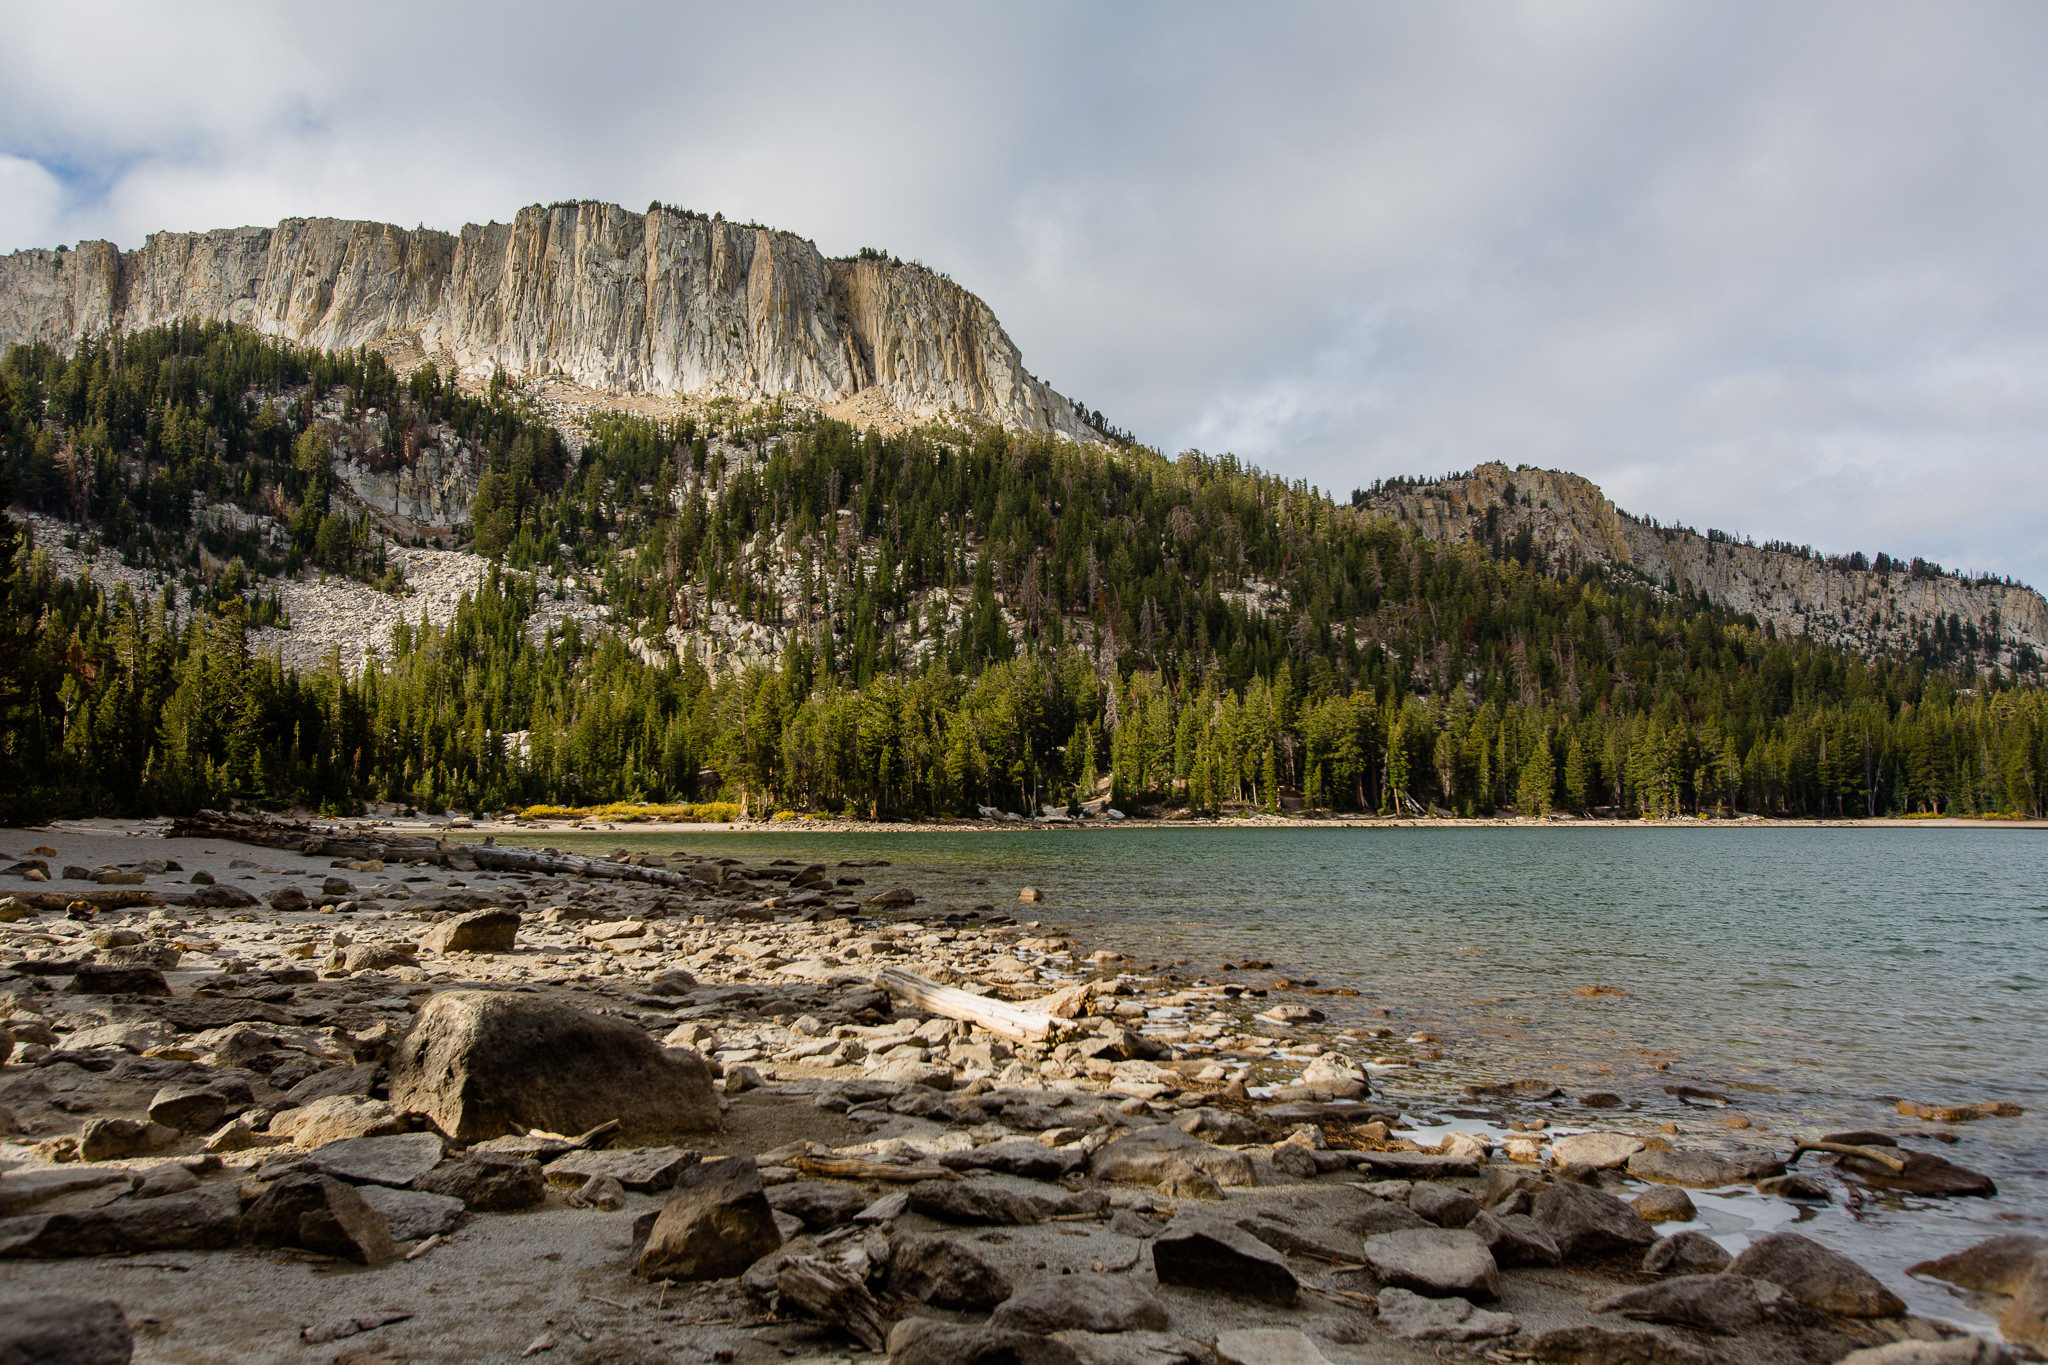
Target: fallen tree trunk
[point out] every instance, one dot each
(492, 858)
(997, 1016)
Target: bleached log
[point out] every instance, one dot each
(831, 1292)
(492, 858)
(997, 1016)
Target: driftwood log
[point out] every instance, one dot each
(1895, 1164)
(997, 1016)
(831, 1292)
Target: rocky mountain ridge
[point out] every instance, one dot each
(1564, 521)
(667, 302)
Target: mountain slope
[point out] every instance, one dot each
(667, 302)
(1562, 522)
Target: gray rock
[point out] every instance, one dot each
(335, 1080)
(107, 1139)
(397, 1160)
(1381, 1215)
(1817, 1277)
(817, 1204)
(166, 1180)
(1218, 1126)
(289, 899)
(20, 1190)
(1412, 1317)
(1417, 1165)
(96, 978)
(60, 1329)
(1997, 1265)
(1515, 1239)
(479, 1062)
(1018, 1157)
(378, 957)
(1600, 1151)
(1212, 1255)
(1595, 1344)
(1082, 1303)
(1267, 1346)
(1696, 1170)
(1000, 1199)
(716, 1224)
(1691, 1252)
(1139, 1348)
(199, 1220)
(1587, 1222)
(1721, 1304)
(647, 1169)
(1965, 1350)
(188, 1108)
(1445, 1205)
(1145, 1156)
(334, 1118)
(413, 1215)
(944, 1272)
(480, 931)
(318, 1213)
(925, 1341)
(1665, 1204)
(2025, 1320)
(1434, 1261)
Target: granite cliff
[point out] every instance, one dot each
(665, 303)
(1564, 522)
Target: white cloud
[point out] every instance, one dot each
(1771, 268)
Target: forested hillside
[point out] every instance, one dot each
(952, 619)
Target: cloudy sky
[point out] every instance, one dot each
(1778, 268)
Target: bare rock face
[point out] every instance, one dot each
(666, 302)
(478, 1062)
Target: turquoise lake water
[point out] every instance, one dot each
(1814, 977)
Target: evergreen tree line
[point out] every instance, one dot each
(965, 619)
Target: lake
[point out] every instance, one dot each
(1814, 977)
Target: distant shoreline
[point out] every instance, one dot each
(497, 829)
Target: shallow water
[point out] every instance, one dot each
(1814, 977)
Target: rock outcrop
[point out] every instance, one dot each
(1571, 523)
(666, 302)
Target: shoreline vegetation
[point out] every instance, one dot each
(799, 614)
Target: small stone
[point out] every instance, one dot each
(107, 1139)
(1691, 1252)
(1600, 1151)
(1665, 1204)
(1267, 1346)
(480, 931)
(188, 1108)
(817, 1204)
(1085, 1303)
(289, 899)
(1030, 893)
(1412, 1317)
(602, 1192)
(1699, 1170)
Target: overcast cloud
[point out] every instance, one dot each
(1775, 268)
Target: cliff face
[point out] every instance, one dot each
(1571, 523)
(662, 303)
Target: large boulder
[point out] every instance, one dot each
(1817, 1277)
(480, 1062)
(716, 1224)
(1587, 1222)
(58, 1329)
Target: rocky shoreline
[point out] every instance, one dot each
(272, 1089)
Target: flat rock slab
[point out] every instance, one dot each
(204, 1219)
(1082, 1303)
(1434, 1261)
(1601, 1151)
(413, 1215)
(1267, 1346)
(1158, 1348)
(21, 1190)
(397, 1160)
(61, 1330)
(1412, 1317)
(647, 1169)
(1150, 1155)
(1695, 1170)
(1002, 1200)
